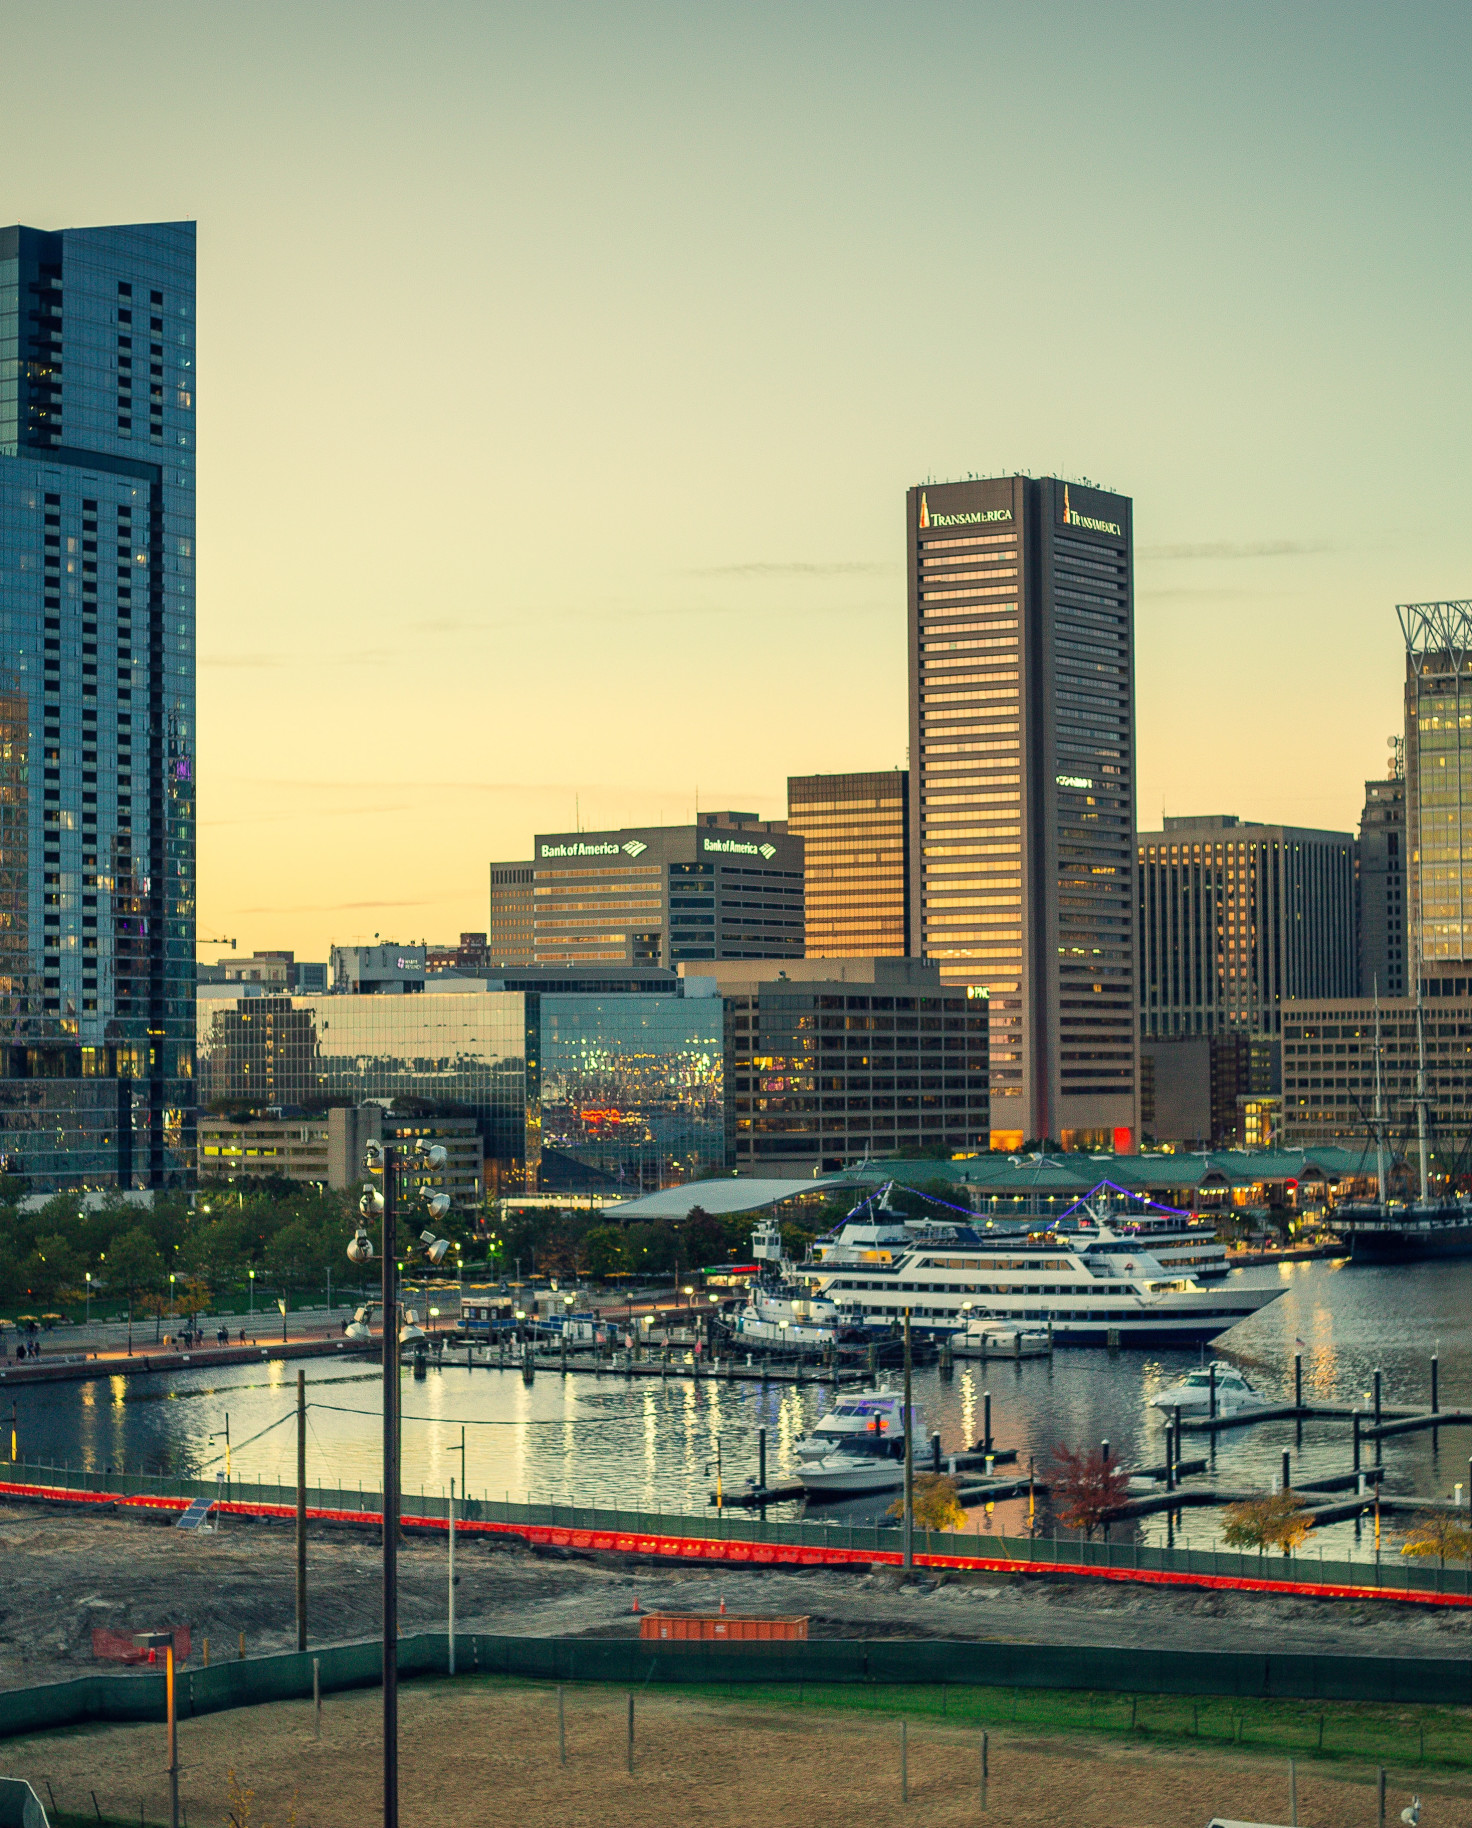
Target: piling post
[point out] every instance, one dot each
(761, 1459)
(1435, 1369)
(1211, 1389)
(1104, 1452)
(1356, 1420)
(1170, 1458)
(935, 1452)
(1298, 1380)
(986, 1421)
(1287, 1486)
(1377, 1397)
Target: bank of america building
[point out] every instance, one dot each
(97, 740)
(1021, 666)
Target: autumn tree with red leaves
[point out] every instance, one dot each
(1087, 1488)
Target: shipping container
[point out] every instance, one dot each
(726, 1626)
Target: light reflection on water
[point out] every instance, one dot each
(646, 1444)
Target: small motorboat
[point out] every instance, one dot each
(850, 1416)
(1193, 1395)
(869, 1461)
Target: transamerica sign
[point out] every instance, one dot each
(973, 517)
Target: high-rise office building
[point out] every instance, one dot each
(509, 941)
(1382, 885)
(1438, 766)
(1238, 920)
(1021, 665)
(855, 830)
(729, 886)
(97, 750)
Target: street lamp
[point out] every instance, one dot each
(389, 1159)
(89, 1297)
(252, 1274)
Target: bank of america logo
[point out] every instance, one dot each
(634, 848)
(924, 511)
(769, 851)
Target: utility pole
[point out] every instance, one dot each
(909, 1428)
(390, 1491)
(301, 1509)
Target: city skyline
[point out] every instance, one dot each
(706, 363)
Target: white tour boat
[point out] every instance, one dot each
(1094, 1286)
(1192, 1396)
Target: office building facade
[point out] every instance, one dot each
(1199, 1091)
(855, 830)
(567, 1090)
(1237, 921)
(1329, 1072)
(1438, 769)
(97, 736)
(510, 940)
(832, 1061)
(729, 886)
(1021, 668)
(329, 1148)
(1383, 939)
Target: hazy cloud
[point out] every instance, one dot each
(1235, 549)
(336, 907)
(242, 660)
(797, 568)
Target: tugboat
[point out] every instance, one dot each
(780, 1315)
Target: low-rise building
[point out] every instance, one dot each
(835, 1060)
(327, 1148)
(1329, 1068)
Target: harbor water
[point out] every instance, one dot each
(652, 1444)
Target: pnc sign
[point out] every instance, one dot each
(973, 517)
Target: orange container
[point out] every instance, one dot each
(724, 1627)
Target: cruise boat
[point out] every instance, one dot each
(783, 1315)
(1095, 1286)
(850, 1416)
(1193, 1395)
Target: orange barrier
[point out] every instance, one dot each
(704, 1548)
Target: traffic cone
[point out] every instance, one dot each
(635, 1606)
(723, 1605)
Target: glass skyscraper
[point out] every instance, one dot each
(97, 737)
(1438, 750)
(1022, 789)
(855, 830)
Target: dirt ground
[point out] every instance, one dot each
(62, 1573)
(474, 1752)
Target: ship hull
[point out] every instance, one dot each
(1410, 1244)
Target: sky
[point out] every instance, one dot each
(562, 370)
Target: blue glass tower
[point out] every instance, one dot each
(97, 739)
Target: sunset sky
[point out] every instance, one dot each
(562, 370)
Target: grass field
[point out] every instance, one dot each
(727, 1757)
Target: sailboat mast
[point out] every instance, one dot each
(1421, 1144)
(1379, 1105)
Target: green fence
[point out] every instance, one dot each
(641, 1662)
(1394, 1573)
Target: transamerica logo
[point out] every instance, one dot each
(982, 517)
(578, 850)
(1070, 519)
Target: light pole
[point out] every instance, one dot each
(388, 1158)
(252, 1274)
(89, 1297)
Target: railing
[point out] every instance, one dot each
(1392, 1574)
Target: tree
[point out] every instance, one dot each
(1436, 1533)
(1087, 1488)
(937, 1505)
(132, 1263)
(603, 1250)
(1275, 1522)
(52, 1270)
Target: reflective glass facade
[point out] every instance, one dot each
(97, 740)
(634, 1087)
(1438, 764)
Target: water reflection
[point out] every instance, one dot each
(612, 1441)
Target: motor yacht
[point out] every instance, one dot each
(869, 1461)
(850, 1416)
(1193, 1395)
